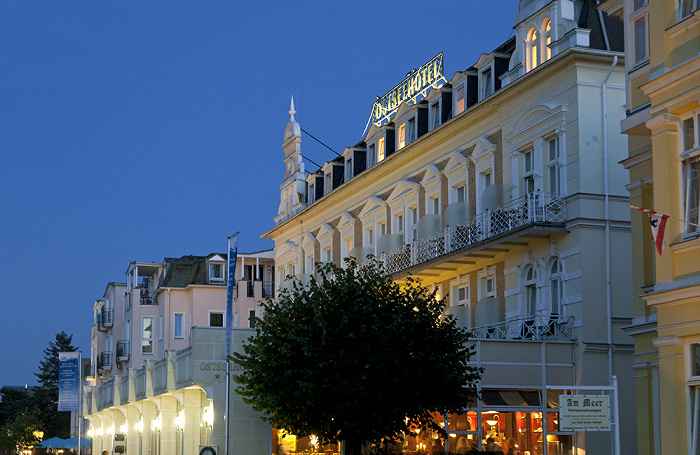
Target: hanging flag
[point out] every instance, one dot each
(657, 221)
(232, 256)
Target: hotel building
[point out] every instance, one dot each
(501, 188)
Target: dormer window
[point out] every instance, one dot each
(486, 83)
(348, 169)
(380, 149)
(329, 183)
(533, 51)
(216, 272)
(312, 193)
(459, 100)
(371, 155)
(412, 131)
(538, 42)
(401, 136)
(406, 133)
(547, 39)
(435, 115)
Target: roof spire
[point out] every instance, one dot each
(291, 110)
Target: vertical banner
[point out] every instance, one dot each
(232, 256)
(68, 381)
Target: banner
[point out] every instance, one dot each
(68, 381)
(232, 256)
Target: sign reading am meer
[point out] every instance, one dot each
(584, 412)
(416, 83)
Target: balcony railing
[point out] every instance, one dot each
(268, 289)
(123, 350)
(148, 297)
(251, 288)
(104, 361)
(533, 208)
(533, 328)
(105, 319)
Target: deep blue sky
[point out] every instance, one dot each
(143, 130)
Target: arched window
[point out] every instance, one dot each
(547, 27)
(555, 288)
(533, 49)
(531, 290)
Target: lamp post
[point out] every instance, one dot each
(180, 423)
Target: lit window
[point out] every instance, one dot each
(434, 115)
(459, 100)
(178, 325)
(533, 49)
(147, 335)
(380, 149)
(216, 319)
(548, 39)
(401, 136)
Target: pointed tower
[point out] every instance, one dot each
(293, 187)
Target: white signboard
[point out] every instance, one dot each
(584, 412)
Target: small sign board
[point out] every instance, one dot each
(584, 412)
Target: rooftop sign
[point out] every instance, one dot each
(415, 84)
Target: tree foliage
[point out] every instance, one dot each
(21, 433)
(14, 402)
(355, 356)
(54, 423)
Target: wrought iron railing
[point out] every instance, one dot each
(148, 297)
(526, 210)
(105, 319)
(268, 289)
(123, 350)
(251, 288)
(104, 361)
(534, 328)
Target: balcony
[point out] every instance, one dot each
(148, 297)
(123, 351)
(501, 225)
(533, 328)
(104, 362)
(268, 289)
(251, 288)
(105, 319)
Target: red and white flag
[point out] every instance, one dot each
(657, 221)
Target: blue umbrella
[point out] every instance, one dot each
(53, 443)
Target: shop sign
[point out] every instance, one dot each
(584, 412)
(415, 84)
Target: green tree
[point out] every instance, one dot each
(55, 424)
(13, 402)
(354, 356)
(22, 433)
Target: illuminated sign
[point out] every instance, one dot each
(415, 84)
(584, 412)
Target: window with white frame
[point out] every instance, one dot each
(487, 286)
(686, 8)
(348, 169)
(459, 100)
(369, 236)
(529, 171)
(459, 192)
(486, 83)
(411, 130)
(690, 168)
(312, 193)
(216, 272)
(179, 325)
(460, 291)
(531, 290)
(555, 288)
(397, 224)
(381, 228)
(326, 254)
(380, 149)
(435, 115)
(347, 247)
(309, 263)
(371, 155)
(216, 319)
(329, 183)
(146, 335)
(533, 49)
(434, 204)
(160, 327)
(401, 136)
(413, 213)
(693, 383)
(640, 31)
(547, 39)
(553, 166)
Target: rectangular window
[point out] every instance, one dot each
(369, 236)
(554, 167)
(147, 335)
(531, 300)
(327, 255)
(252, 318)
(461, 193)
(640, 32)
(688, 128)
(414, 223)
(434, 204)
(556, 296)
(459, 100)
(401, 136)
(434, 115)
(216, 319)
(216, 272)
(312, 193)
(348, 169)
(399, 222)
(372, 155)
(178, 325)
(380, 149)
(528, 175)
(463, 294)
(382, 229)
(329, 183)
(691, 172)
(487, 90)
(685, 8)
(487, 180)
(160, 327)
(412, 133)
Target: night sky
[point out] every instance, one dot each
(143, 130)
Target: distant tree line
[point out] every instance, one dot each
(30, 415)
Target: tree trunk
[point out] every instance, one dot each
(353, 447)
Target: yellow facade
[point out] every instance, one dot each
(663, 87)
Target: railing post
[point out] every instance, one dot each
(448, 242)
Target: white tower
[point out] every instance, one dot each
(293, 188)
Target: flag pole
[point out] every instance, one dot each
(232, 252)
(80, 401)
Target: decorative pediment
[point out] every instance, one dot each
(457, 161)
(345, 219)
(401, 188)
(285, 248)
(217, 258)
(432, 173)
(325, 230)
(404, 111)
(374, 132)
(371, 205)
(535, 118)
(307, 239)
